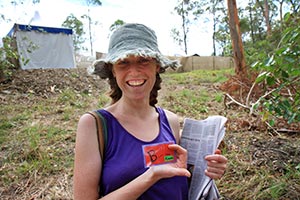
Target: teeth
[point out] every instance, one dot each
(136, 82)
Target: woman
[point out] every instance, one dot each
(132, 66)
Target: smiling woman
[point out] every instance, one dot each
(133, 66)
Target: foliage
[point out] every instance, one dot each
(78, 31)
(88, 17)
(18, 2)
(93, 2)
(281, 76)
(116, 24)
(188, 11)
(8, 56)
(218, 11)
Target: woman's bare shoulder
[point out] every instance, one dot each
(171, 115)
(174, 123)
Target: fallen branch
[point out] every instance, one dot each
(260, 98)
(251, 108)
(235, 101)
(249, 93)
(273, 129)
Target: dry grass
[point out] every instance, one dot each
(40, 109)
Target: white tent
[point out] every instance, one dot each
(42, 47)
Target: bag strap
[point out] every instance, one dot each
(101, 131)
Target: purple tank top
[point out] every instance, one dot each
(123, 161)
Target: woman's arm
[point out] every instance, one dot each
(87, 163)
(139, 185)
(87, 167)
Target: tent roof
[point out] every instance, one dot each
(22, 27)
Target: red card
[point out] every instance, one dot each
(157, 154)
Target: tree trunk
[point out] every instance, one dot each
(214, 40)
(251, 22)
(237, 45)
(90, 31)
(266, 13)
(214, 27)
(184, 28)
(280, 13)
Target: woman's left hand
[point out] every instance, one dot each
(177, 168)
(216, 165)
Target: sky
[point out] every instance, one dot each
(157, 14)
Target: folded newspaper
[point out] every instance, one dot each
(201, 138)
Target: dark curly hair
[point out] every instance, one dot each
(115, 92)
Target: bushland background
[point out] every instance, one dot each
(40, 110)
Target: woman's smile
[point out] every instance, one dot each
(136, 82)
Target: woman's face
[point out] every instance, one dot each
(136, 76)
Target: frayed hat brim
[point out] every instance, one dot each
(131, 40)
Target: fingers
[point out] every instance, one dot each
(217, 158)
(216, 166)
(169, 170)
(216, 163)
(179, 149)
(218, 151)
(181, 172)
(215, 171)
(213, 175)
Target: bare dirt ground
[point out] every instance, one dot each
(265, 149)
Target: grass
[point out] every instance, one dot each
(37, 137)
(198, 76)
(191, 92)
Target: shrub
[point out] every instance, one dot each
(280, 72)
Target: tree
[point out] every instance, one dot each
(116, 25)
(280, 74)
(77, 26)
(191, 11)
(183, 13)
(275, 93)
(188, 11)
(90, 3)
(216, 8)
(17, 2)
(295, 6)
(265, 10)
(237, 45)
(9, 56)
(267, 17)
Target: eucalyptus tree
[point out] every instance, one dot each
(192, 11)
(78, 31)
(237, 44)
(268, 10)
(218, 11)
(90, 3)
(188, 10)
(294, 6)
(116, 25)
